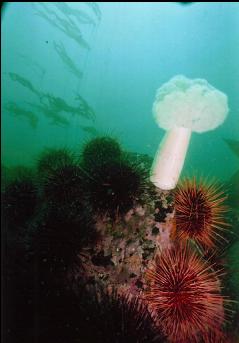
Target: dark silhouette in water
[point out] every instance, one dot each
(18, 111)
(233, 145)
(233, 186)
(70, 64)
(233, 183)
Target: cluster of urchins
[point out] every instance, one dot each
(185, 280)
(49, 215)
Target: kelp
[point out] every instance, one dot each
(84, 108)
(80, 16)
(25, 83)
(58, 104)
(95, 8)
(67, 25)
(73, 31)
(54, 106)
(18, 111)
(69, 63)
(56, 118)
(51, 106)
(90, 130)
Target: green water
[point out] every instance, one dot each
(81, 78)
(115, 56)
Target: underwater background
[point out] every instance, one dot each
(93, 251)
(125, 53)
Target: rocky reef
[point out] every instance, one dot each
(81, 236)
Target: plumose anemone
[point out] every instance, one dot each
(181, 107)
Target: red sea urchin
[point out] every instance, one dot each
(199, 209)
(184, 295)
